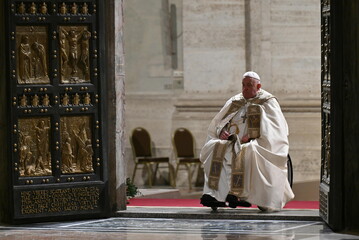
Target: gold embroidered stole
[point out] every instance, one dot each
(237, 179)
(217, 162)
(235, 106)
(253, 123)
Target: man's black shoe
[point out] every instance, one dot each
(243, 203)
(233, 202)
(209, 201)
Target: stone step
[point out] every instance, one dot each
(221, 213)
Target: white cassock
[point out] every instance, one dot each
(255, 171)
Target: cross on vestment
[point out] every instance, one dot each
(244, 118)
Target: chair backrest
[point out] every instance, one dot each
(141, 142)
(183, 143)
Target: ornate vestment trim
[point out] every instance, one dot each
(238, 170)
(217, 162)
(235, 106)
(254, 121)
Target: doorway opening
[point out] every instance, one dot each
(180, 71)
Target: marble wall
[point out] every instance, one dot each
(280, 39)
(117, 101)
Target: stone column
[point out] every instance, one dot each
(115, 109)
(120, 107)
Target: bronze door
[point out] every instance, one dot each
(326, 114)
(330, 195)
(56, 114)
(339, 185)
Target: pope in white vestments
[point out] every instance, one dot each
(245, 156)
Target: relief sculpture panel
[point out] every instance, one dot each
(76, 147)
(32, 55)
(34, 146)
(74, 54)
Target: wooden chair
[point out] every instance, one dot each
(142, 154)
(184, 151)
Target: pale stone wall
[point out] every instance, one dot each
(214, 45)
(221, 40)
(285, 46)
(151, 83)
(286, 51)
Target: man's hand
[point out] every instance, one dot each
(224, 135)
(245, 139)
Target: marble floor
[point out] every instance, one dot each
(169, 228)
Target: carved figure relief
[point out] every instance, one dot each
(74, 8)
(67, 156)
(84, 9)
(34, 145)
(42, 140)
(25, 155)
(24, 59)
(22, 8)
(34, 100)
(85, 60)
(32, 54)
(63, 55)
(74, 54)
(23, 101)
(33, 8)
(77, 151)
(45, 100)
(76, 99)
(39, 59)
(65, 100)
(87, 99)
(63, 8)
(43, 8)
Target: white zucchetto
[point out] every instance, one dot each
(252, 75)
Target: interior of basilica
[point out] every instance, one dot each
(105, 103)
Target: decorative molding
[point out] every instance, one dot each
(214, 105)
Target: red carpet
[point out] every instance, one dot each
(153, 202)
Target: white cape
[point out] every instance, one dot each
(265, 160)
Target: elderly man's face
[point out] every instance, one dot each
(250, 87)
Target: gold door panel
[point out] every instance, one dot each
(32, 55)
(74, 54)
(34, 146)
(76, 146)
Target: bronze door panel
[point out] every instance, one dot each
(32, 55)
(74, 54)
(34, 151)
(76, 145)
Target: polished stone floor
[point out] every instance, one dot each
(170, 228)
